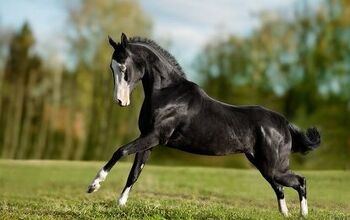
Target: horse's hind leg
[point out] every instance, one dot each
(299, 184)
(139, 162)
(267, 174)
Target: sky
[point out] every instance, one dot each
(189, 25)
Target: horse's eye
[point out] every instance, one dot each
(122, 67)
(126, 76)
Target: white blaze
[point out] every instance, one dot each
(121, 85)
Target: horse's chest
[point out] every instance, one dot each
(146, 123)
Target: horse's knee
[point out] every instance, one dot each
(121, 152)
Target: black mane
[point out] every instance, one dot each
(162, 51)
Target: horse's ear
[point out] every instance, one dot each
(112, 42)
(124, 40)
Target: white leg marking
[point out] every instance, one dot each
(142, 165)
(303, 207)
(124, 197)
(283, 207)
(95, 184)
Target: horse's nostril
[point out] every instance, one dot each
(119, 102)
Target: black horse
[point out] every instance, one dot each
(177, 113)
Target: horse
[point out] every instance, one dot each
(177, 113)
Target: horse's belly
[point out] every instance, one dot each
(216, 146)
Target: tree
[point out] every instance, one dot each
(21, 68)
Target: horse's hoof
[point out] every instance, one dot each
(121, 202)
(285, 214)
(303, 214)
(93, 187)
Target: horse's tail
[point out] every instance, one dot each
(303, 142)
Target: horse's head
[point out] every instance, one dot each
(126, 73)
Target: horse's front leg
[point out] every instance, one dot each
(139, 163)
(142, 143)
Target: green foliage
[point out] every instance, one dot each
(18, 105)
(56, 190)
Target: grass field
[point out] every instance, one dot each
(56, 190)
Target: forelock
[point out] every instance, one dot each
(119, 54)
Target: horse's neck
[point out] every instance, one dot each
(159, 73)
(156, 79)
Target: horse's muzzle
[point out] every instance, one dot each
(120, 103)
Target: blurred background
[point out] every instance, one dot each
(291, 56)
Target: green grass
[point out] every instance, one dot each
(56, 190)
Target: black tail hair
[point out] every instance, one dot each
(304, 142)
